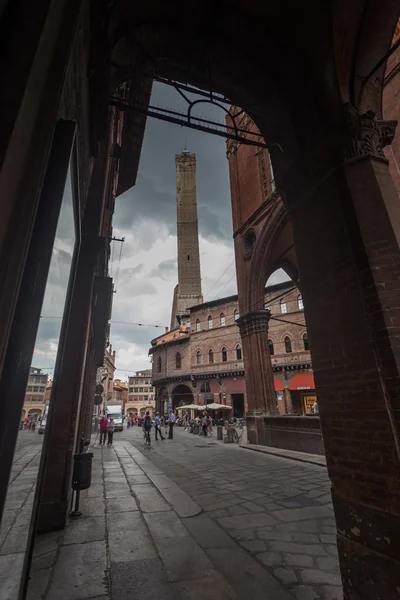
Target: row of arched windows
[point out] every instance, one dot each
(288, 345)
(238, 350)
(210, 322)
(283, 304)
(224, 356)
(236, 315)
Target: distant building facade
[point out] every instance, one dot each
(105, 376)
(35, 396)
(120, 392)
(141, 394)
(203, 363)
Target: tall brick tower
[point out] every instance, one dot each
(188, 291)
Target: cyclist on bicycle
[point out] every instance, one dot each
(147, 424)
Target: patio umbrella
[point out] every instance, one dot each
(190, 407)
(216, 406)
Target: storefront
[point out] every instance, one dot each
(302, 388)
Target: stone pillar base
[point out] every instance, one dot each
(256, 426)
(369, 550)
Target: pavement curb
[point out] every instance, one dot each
(313, 459)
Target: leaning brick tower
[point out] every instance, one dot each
(188, 291)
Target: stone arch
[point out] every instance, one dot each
(181, 395)
(362, 38)
(34, 412)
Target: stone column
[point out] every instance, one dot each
(287, 396)
(261, 399)
(346, 221)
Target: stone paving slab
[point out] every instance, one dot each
(80, 572)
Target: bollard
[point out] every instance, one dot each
(220, 432)
(229, 435)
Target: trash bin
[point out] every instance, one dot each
(220, 432)
(82, 475)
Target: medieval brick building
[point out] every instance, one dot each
(203, 361)
(313, 78)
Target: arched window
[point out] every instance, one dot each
(236, 314)
(159, 364)
(283, 307)
(238, 352)
(300, 302)
(222, 319)
(178, 361)
(205, 387)
(271, 347)
(188, 324)
(288, 344)
(224, 355)
(210, 356)
(197, 325)
(305, 342)
(210, 322)
(198, 357)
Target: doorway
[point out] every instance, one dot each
(238, 405)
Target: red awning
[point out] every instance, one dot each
(278, 385)
(302, 381)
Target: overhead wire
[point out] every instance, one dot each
(219, 279)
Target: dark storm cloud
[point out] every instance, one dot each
(165, 269)
(154, 196)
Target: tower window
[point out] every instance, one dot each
(198, 357)
(197, 325)
(305, 342)
(210, 322)
(178, 361)
(210, 356)
(288, 344)
(271, 347)
(188, 256)
(159, 365)
(283, 307)
(236, 314)
(300, 303)
(238, 352)
(224, 355)
(222, 319)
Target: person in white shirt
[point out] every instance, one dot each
(157, 423)
(171, 425)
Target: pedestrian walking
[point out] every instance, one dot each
(157, 423)
(147, 423)
(171, 425)
(103, 429)
(110, 431)
(204, 424)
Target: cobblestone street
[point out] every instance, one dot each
(187, 519)
(276, 509)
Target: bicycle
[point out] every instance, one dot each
(147, 439)
(236, 436)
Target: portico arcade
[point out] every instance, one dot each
(311, 79)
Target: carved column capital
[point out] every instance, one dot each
(365, 135)
(254, 322)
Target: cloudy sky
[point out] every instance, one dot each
(145, 274)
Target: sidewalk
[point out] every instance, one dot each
(143, 536)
